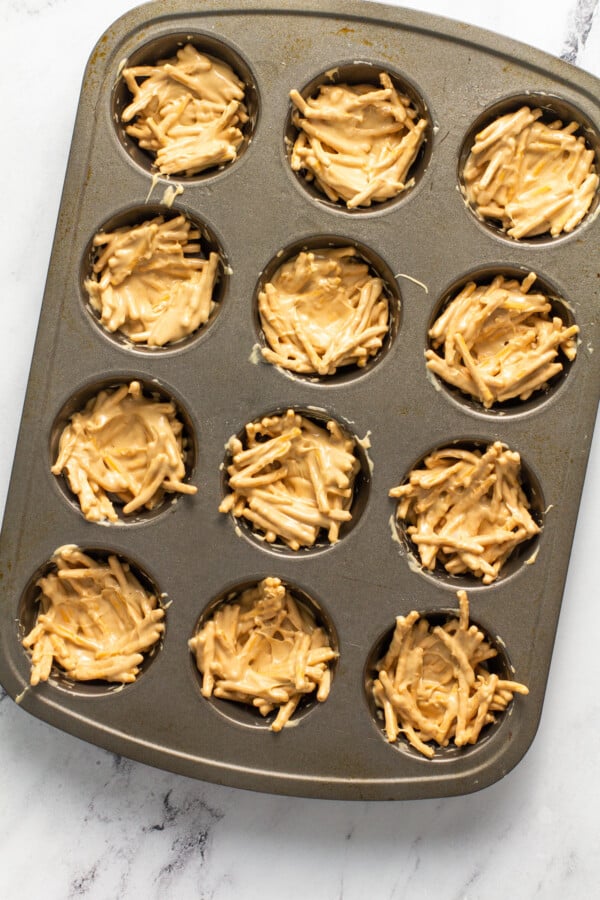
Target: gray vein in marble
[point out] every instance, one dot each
(120, 764)
(401, 888)
(185, 824)
(198, 819)
(580, 24)
(82, 883)
(557, 880)
(465, 889)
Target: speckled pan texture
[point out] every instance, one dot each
(427, 240)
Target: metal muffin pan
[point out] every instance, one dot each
(253, 209)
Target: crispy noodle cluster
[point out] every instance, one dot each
(499, 341)
(323, 309)
(466, 509)
(531, 177)
(95, 620)
(149, 282)
(433, 684)
(292, 479)
(265, 649)
(187, 110)
(357, 142)
(125, 444)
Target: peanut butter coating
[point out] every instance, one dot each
(434, 685)
(188, 111)
(466, 509)
(532, 177)
(123, 445)
(95, 620)
(357, 142)
(323, 310)
(500, 341)
(149, 282)
(292, 479)
(264, 649)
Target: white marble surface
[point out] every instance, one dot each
(79, 822)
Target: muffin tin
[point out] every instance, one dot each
(428, 240)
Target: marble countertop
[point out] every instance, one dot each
(81, 822)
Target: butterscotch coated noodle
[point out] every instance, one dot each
(95, 620)
(433, 683)
(149, 282)
(500, 340)
(188, 110)
(292, 479)
(466, 509)
(323, 309)
(125, 445)
(264, 649)
(530, 176)
(357, 141)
